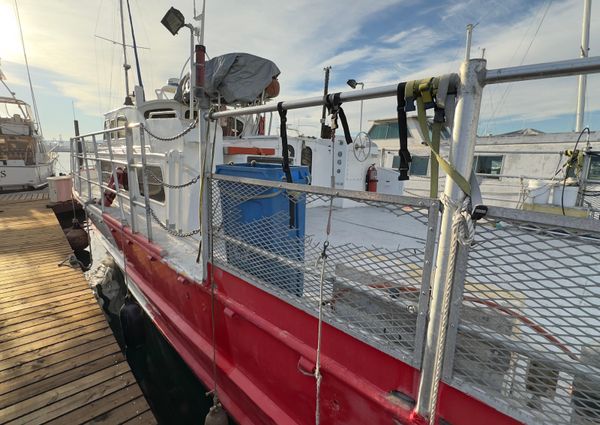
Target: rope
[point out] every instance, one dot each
(318, 376)
(175, 137)
(463, 232)
(172, 186)
(323, 260)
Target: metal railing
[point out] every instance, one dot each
(376, 281)
(525, 330)
(513, 315)
(125, 158)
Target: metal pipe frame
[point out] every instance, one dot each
(492, 76)
(347, 96)
(582, 83)
(146, 188)
(543, 70)
(464, 134)
(355, 195)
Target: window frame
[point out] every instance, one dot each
(488, 175)
(594, 158)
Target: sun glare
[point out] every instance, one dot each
(10, 43)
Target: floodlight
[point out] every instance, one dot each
(173, 20)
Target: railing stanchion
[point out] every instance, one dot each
(98, 171)
(114, 175)
(464, 138)
(145, 185)
(131, 177)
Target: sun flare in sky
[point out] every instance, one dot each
(10, 43)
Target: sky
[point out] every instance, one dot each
(380, 42)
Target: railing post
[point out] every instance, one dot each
(87, 169)
(115, 176)
(206, 194)
(145, 185)
(131, 178)
(432, 227)
(472, 73)
(98, 171)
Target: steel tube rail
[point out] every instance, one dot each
(347, 96)
(465, 136)
(543, 70)
(357, 195)
(105, 131)
(131, 178)
(585, 46)
(98, 171)
(146, 188)
(115, 177)
(121, 194)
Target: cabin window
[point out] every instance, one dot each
(156, 191)
(291, 152)
(385, 131)
(121, 122)
(160, 113)
(306, 158)
(417, 167)
(594, 173)
(488, 165)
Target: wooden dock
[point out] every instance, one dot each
(59, 361)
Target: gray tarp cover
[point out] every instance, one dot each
(238, 77)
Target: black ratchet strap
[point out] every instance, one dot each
(286, 157)
(334, 104)
(405, 158)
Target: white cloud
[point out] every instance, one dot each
(301, 37)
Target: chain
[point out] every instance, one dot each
(172, 186)
(175, 137)
(169, 231)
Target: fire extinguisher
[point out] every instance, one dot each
(371, 181)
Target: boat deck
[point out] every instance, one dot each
(59, 361)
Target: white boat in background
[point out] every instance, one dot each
(24, 161)
(524, 169)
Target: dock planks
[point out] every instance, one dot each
(59, 362)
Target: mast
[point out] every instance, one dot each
(126, 66)
(585, 47)
(135, 51)
(327, 69)
(35, 108)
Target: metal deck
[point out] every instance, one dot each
(59, 361)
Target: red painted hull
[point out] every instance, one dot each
(265, 348)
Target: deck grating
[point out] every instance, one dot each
(59, 362)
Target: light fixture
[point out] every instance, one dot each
(353, 83)
(173, 20)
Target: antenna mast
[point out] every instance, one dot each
(126, 66)
(585, 47)
(135, 52)
(35, 108)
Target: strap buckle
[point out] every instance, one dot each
(479, 211)
(426, 90)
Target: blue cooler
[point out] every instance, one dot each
(260, 217)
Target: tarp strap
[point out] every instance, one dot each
(334, 104)
(404, 153)
(286, 157)
(424, 92)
